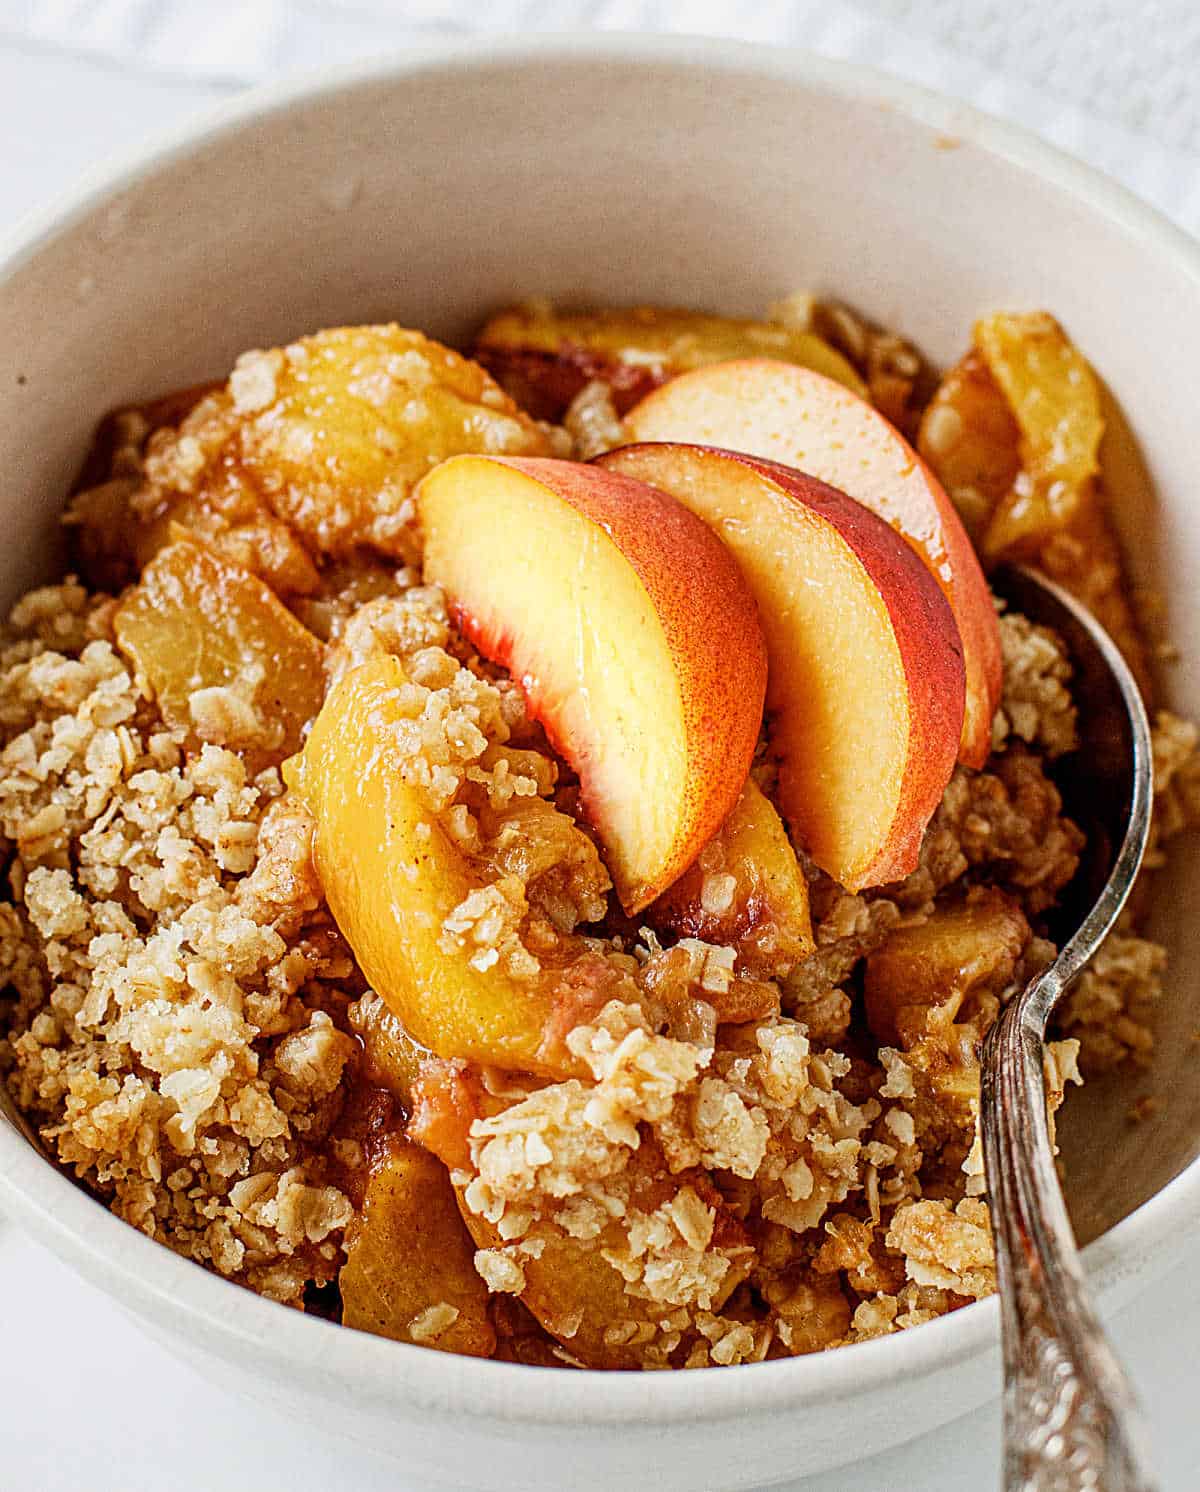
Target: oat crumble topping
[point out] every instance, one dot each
(716, 1167)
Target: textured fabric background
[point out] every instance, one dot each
(1115, 81)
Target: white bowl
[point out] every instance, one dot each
(429, 189)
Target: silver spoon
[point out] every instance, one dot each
(1071, 1421)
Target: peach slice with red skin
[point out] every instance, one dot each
(866, 683)
(804, 420)
(632, 632)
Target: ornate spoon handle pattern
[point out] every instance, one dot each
(1071, 1421)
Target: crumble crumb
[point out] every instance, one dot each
(946, 1248)
(254, 382)
(500, 1271)
(1110, 1008)
(433, 1322)
(1035, 703)
(592, 421)
(1176, 779)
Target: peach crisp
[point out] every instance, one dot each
(519, 852)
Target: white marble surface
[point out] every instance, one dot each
(137, 1420)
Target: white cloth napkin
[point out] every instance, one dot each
(1114, 81)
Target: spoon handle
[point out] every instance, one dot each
(1071, 1421)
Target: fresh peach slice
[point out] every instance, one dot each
(805, 420)
(632, 632)
(866, 684)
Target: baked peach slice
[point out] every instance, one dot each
(866, 684)
(799, 417)
(225, 660)
(917, 982)
(410, 1263)
(578, 1295)
(393, 876)
(632, 632)
(745, 890)
(569, 1276)
(310, 450)
(544, 357)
